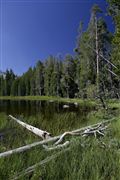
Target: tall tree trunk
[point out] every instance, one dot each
(97, 56)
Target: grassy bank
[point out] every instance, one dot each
(48, 98)
(88, 158)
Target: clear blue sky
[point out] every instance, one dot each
(34, 29)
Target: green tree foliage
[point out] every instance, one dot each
(9, 78)
(114, 11)
(55, 79)
(49, 69)
(68, 78)
(104, 41)
(14, 87)
(32, 83)
(95, 40)
(39, 78)
(2, 85)
(21, 86)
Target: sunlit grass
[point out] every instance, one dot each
(49, 98)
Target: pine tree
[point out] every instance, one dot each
(114, 11)
(68, 80)
(14, 87)
(2, 85)
(39, 78)
(27, 77)
(21, 86)
(9, 78)
(92, 43)
(49, 69)
(32, 83)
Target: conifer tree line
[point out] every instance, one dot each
(93, 70)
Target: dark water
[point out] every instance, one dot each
(28, 108)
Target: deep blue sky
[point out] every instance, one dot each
(34, 29)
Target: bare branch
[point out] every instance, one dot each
(102, 57)
(112, 72)
(52, 139)
(65, 134)
(54, 147)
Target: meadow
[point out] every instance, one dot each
(86, 158)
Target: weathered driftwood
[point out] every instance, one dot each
(53, 139)
(65, 134)
(94, 131)
(38, 132)
(98, 130)
(27, 147)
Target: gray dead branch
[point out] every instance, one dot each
(105, 59)
(65, 134)
(112, 72)
(92, 129)
(54, 147)
(38, 132)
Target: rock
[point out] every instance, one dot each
(51, 100)
(76, 104)
(65, 106)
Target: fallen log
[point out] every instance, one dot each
(38, 132)
(94, 131)
(27, 147)
(51, 139)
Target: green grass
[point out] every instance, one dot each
(48, 98)
(87, 158)
(87, 161)
(114, 104)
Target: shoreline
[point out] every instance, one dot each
(49, 98)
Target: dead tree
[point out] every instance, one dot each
(95, 129)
